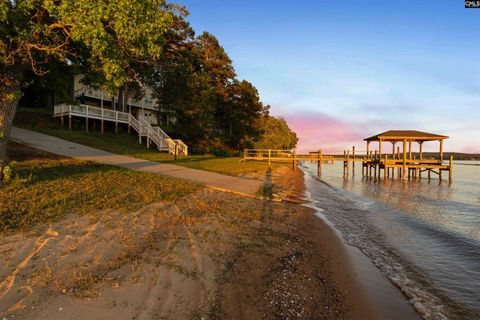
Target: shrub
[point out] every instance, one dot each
(8, 173)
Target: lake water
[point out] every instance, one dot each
(423, 235)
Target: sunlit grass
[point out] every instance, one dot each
(41, 120)
(47, 189)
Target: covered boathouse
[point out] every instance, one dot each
(402, 161)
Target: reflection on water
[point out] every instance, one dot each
(428, 226)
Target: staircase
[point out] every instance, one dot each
(144, 129)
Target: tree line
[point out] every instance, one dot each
(121, 45)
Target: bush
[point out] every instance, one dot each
(220, 152)
(8, 173)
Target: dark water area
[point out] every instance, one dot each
(423, 235)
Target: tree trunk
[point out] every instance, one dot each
(10, 92)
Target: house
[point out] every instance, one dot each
(147, 106)
(97, 107)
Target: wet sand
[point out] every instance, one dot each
(212, 255)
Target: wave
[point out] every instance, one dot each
(350, 215)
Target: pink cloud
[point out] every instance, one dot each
(320, 131)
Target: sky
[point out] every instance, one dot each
(340, 71)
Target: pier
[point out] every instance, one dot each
(399, 163)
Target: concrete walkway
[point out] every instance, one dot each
(78, 151)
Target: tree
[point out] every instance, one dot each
(275, 134)
(241, 114)
(109, 38)
(49, 89)
(217, 65)
(195, 81)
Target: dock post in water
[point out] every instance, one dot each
(441, 159)
(353, 157)
(348, 161)
(450, 168)
(404, 169)
(385, 168)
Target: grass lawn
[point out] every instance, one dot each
(49, 186)
(41, 120)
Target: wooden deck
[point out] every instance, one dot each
(144, 129)
(371, 164)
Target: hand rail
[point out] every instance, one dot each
(182, 147)
(141, 125)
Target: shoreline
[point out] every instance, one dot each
(181, 261)
(209, 254)
(418, 254)
(368, 292)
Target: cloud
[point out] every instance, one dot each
(318, 130)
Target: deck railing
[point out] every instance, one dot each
(182, 148)
(83, 110)
(147, 103)
(141, 125)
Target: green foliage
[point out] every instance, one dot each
(104, 37)
(9, 172)
(275, 134)
(50, 89)
(219, 152)
(120, 44)
(195, 81)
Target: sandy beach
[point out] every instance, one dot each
(212, 255)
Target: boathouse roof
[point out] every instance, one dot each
(398, 135)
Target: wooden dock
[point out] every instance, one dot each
(401, 165)
(271, 155)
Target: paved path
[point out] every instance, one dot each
(82, 152)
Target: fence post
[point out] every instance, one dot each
(244, 155)
(86, 118)
(294, 159)
(319, 168)
(176, 151)
(269, 156)
(101, 122)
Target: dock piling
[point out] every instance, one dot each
(450, 166)
(385, 168)
(353, 157)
